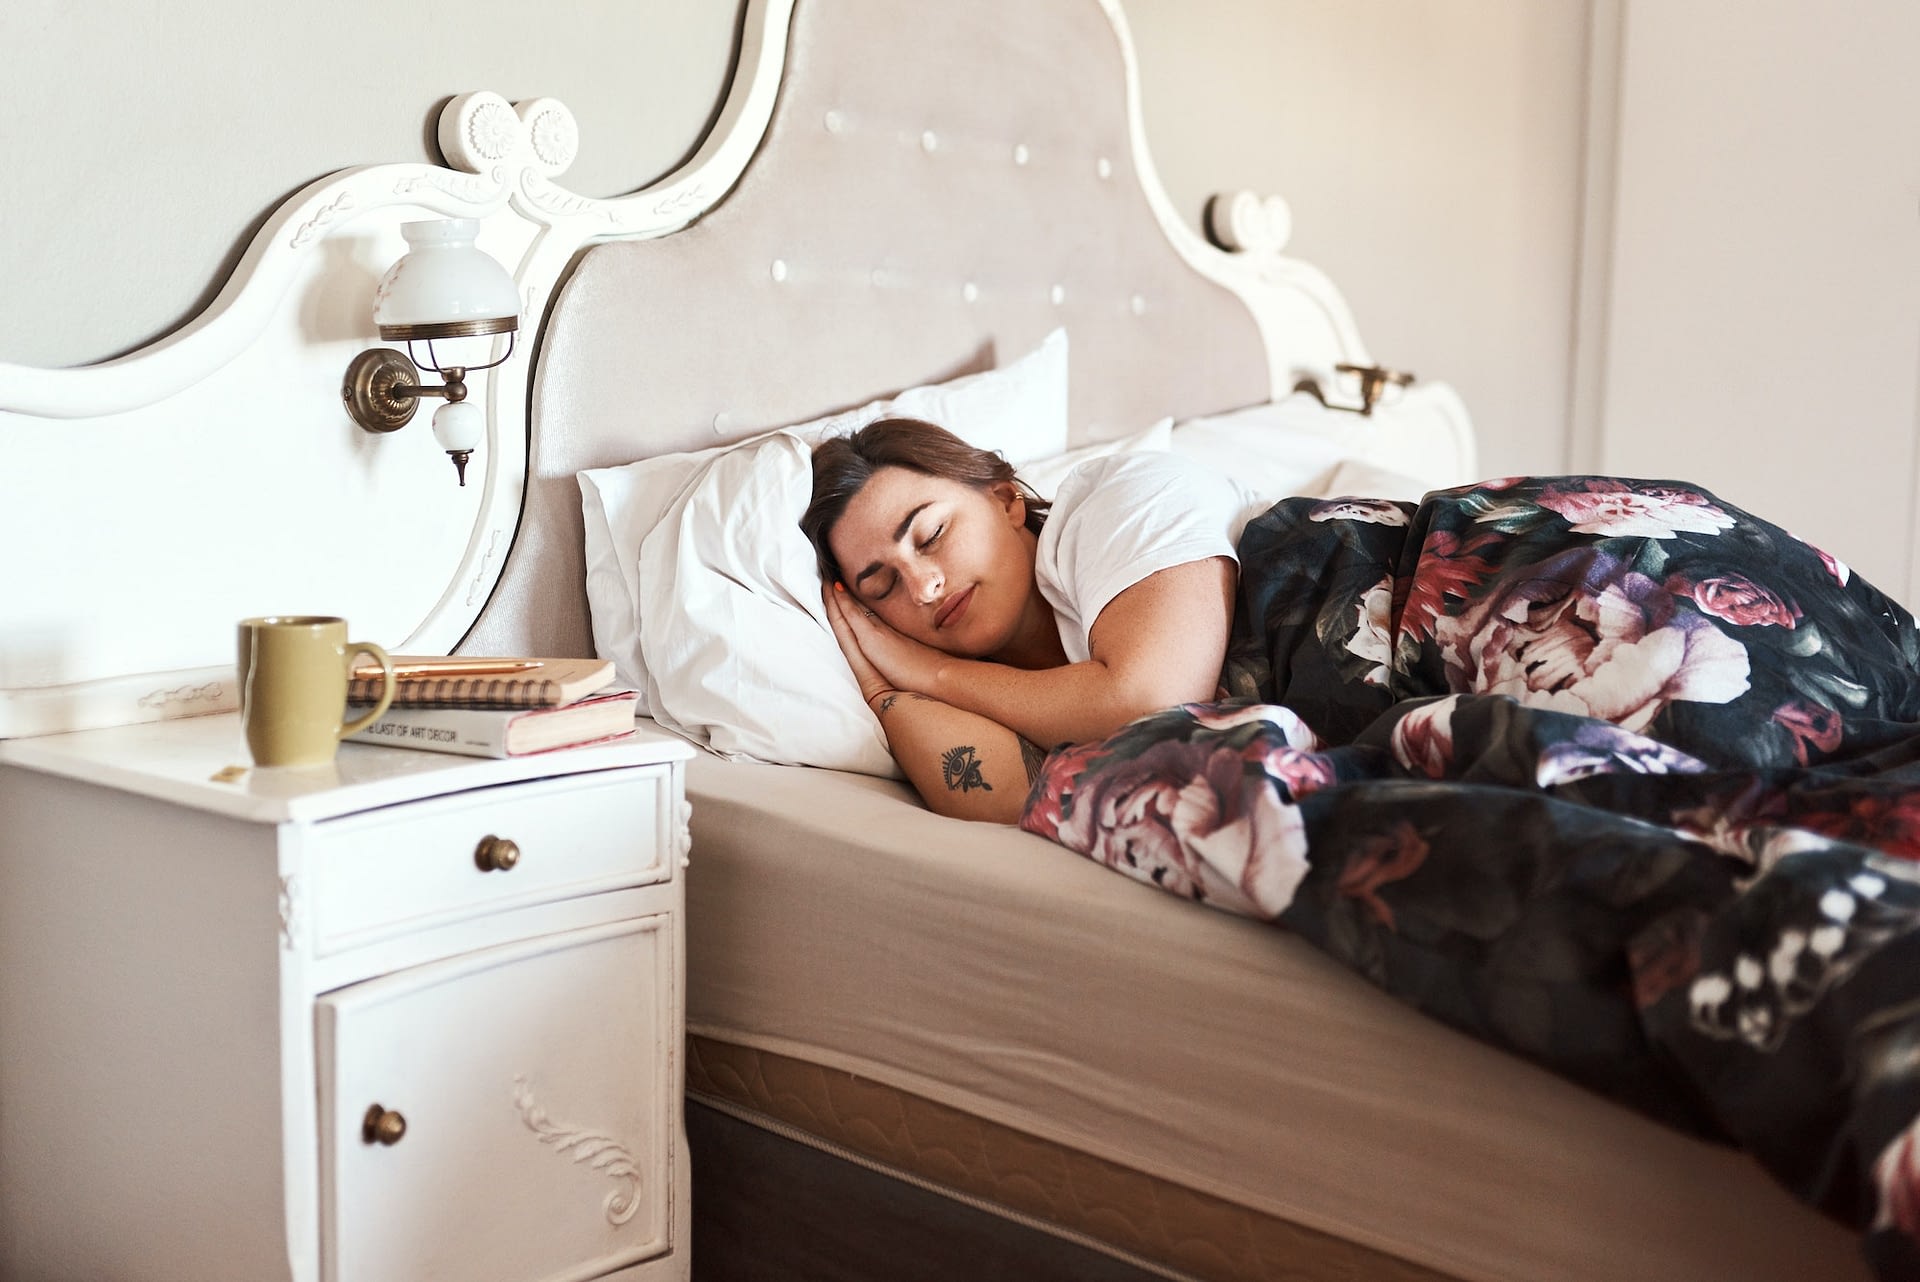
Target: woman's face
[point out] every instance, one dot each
(939, 561)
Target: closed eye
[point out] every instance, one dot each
(933, 538)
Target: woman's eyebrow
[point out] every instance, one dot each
(906, 522)
(899, 532)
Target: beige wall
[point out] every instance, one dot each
(198, 119)
(1763, 332)
(1431, 152)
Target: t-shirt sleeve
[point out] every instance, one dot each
(1120, 519)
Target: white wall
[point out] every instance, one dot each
(1431, 152)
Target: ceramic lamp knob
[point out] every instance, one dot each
(458, 426)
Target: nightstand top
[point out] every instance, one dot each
(202, 763)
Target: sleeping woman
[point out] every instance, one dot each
(986, 625)
(1606, 772)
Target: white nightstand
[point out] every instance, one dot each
(409, 1016)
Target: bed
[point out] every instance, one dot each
(927, 1049)
(920, 1046)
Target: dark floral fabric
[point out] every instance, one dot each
(1606, 772)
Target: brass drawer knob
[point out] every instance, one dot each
(496, 854)
(382, 1126)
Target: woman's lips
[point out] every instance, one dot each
(951, 612)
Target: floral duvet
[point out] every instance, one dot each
(1609, 773)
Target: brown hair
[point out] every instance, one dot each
(843, 465)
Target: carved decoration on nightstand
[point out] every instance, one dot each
(292, 895)
(600, 1152)
(211, 693)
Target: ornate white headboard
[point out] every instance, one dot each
(892, 192)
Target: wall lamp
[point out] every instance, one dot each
(443, 287)
(1374, 381)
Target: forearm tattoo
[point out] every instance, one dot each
(887, 701)
(1032, 756)
(960, 767)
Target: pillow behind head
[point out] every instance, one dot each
(1018, 410)
(739, 654)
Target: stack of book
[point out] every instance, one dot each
(493, 707)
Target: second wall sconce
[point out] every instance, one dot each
(444, 287)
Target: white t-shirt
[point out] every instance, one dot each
(1115, 520)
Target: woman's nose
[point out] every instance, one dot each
(925, 583)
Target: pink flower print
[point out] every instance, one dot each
(1836, 567)
(1896, 1175)
(1190, 818)
(1738, 600)
(1299, 773)
(1582, 633)
(1293, 730)
(1423, 738)
(1446, 569)
(1814, 728)
(1372, 639)
(1609, 508)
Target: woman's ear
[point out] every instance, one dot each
(1013, 500)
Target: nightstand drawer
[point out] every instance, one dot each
(434, 862)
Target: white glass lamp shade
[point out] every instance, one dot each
(459, 426)
(444, 286)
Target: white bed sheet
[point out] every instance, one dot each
(833, 919)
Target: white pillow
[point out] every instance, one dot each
(1019, 410)
(738, 652)
(1275, 449)
(1043, 476)
(1357, 479)
(1293, 445)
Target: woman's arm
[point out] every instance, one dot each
(1159, 643)
(962, 764)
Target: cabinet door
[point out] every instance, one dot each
(502, 1115)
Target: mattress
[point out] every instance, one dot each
(909, 988)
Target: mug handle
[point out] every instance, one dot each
(355, 648)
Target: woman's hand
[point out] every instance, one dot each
(839, 606)
(905, 664)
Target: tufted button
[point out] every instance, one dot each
(970, 292)
(1058, 294)
(834, 121)
(721, 422)
(1103, 167)
(1138, 303)
(779, 270)
(929, 141)
(1020, 154)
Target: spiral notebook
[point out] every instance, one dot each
(474, 681)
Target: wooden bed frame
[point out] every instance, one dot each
(893, 194)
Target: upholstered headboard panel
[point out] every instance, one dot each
(940, 186)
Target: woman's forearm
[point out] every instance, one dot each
(1078, 703)
(962, 764)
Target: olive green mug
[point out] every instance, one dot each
(293, 687)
